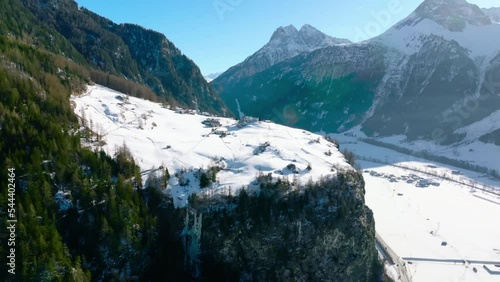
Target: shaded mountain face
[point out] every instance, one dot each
(425, 77)
(285, 43)
(442, 77)
(320, 90)
(439, 75)
(128, 50)
(17, 21)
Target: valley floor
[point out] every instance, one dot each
(445, 230)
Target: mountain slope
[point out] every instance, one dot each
(285, 43)
(454, 20)
(493, 13)
(319, 91)
(444, 68)
(18, 22)
(120, 50)
(454, 15)
(425, 77)
(55, 183)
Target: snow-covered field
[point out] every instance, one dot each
(415, 221)
(479, 153)
(473, 151)
(158, 136)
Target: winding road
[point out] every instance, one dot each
(392, 258)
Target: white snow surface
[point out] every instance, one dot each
(415, 221)
(287, 42)
(479, 40)
(183, 144)
(487, 125)
(471, 150)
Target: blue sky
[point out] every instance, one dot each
(217, 34)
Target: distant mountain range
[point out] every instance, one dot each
(429, 75)
(285, 43)
(212, 76)
(83, 209)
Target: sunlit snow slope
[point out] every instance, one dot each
(158, 136)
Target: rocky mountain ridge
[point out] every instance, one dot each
(451, 14)
(285, 43)
(414, 79)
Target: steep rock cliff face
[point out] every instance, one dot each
(321, 232)
(324, 90)
(439, 75)
(170, 71)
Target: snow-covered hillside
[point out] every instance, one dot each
(408, 38)
(212, 76)
(182, 143)
(493, 13)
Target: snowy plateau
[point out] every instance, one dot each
(184, 142)
(434, 222)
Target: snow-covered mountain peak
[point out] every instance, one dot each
(315, 38)
(453, 15)
(212, 76)
(287, 42)
(285, 32)
(307, 27)
(286, 37)
(493, 13)
(452, 20)
(308, 31)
